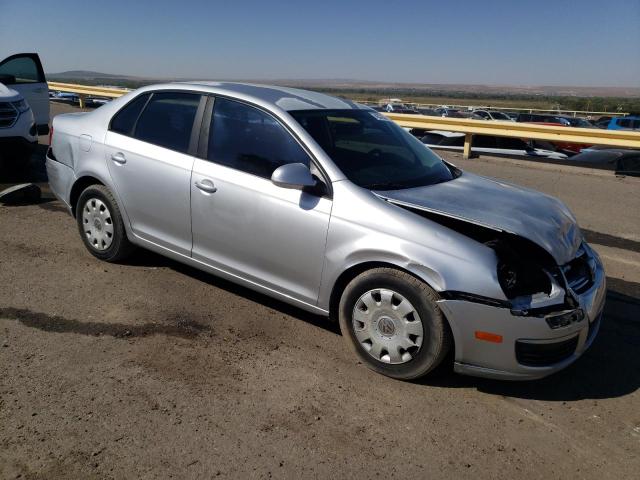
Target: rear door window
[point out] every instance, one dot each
(167, 120)
(250, 140)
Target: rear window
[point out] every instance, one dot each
(500, 116)
(167, 120)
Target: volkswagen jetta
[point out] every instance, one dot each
(330, 206)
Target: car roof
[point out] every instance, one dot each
(286, 98)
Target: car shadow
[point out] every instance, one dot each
(22, 166)
(148, 258)
(608, 369)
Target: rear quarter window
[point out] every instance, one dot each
(124, 121)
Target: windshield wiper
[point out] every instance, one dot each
(385, 186)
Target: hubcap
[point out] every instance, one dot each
(387, 326)
(97, 224)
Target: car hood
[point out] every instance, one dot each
(8, 95)
(502, 206)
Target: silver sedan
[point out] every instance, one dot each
(328, 205)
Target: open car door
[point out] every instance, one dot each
(23, 72)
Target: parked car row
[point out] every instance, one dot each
(609, 122)
(497, 146)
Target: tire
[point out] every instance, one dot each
(425, 316)
(101, 226)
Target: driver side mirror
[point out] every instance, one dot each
(293, 175)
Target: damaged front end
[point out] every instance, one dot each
(550, 313)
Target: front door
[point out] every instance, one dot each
(244, 224)
(23, 72)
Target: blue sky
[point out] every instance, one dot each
(521, 42)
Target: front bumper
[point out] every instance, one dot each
(23, 130)
(500, 360)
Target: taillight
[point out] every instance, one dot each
(50, 135)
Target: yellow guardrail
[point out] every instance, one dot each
(85, 91)
(587, 136)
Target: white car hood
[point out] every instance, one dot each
(8, 95)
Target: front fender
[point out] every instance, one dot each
(441, 257)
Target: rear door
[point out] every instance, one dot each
(149, 148)
(23, 72)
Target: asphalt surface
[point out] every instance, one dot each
(151, 369)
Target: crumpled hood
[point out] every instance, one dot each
(8, 94)
(535, 216)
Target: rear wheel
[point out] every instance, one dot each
(101, 226)
(393, 323)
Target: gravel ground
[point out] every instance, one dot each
(151, 369)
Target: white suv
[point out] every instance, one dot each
(24, 102)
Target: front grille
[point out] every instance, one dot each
(8, 115)
(578, 273)
(545, 354)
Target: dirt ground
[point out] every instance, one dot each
(151, 369)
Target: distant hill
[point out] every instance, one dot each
(373, 86)
(599, 99)
(77, 74)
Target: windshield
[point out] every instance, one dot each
(578, 122)
(373, 151)
(500, 116)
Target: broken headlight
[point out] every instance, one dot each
(520, 278)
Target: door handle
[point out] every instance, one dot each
(119, 158)
(206, 186)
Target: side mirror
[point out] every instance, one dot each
(293, 175)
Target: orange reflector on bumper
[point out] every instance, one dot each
(488, 337)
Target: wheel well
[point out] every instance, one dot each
(351, 273)
(78, 187)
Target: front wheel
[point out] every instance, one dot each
(393, 323)
(101, 226)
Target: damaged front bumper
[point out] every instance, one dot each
(529, 347)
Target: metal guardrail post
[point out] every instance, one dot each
(466, 153)
(81, 101)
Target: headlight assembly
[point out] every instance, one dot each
(21, 105)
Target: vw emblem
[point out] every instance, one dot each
(386, 327)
